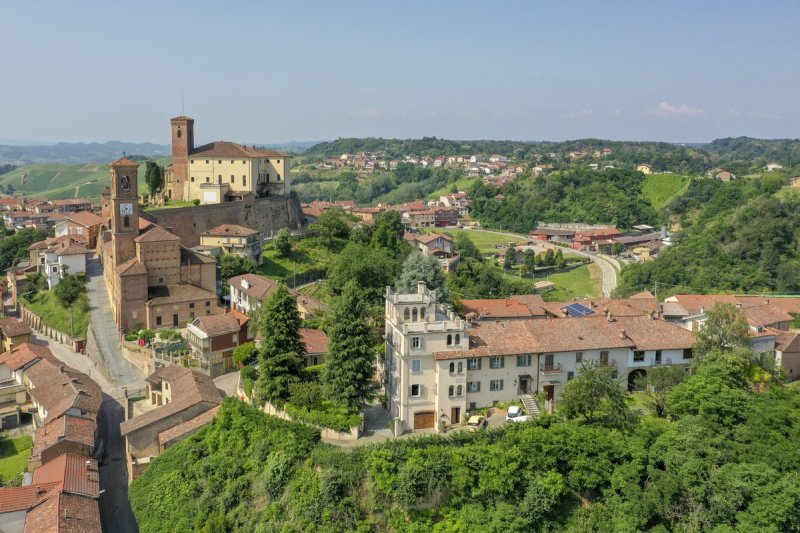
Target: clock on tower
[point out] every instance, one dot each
(125, 212)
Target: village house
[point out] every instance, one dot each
(445, 216)
(439, 245)
(316, 343)
(214, 338)
(175, 398)
(72, 205)
(13, 333)
(514, 307)
(586, 240)
(773, 166)
(235, 240)
(249, 291)
(59, 256)
(440, 367)
(423, 218)
(644, 168)
(367, 214)
(84, 223)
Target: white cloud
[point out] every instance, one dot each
(369, 112)
(666, 109)
(733, 112)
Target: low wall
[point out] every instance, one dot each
(36, 323)
(326, 433)
(139, 356)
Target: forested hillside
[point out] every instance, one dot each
(726, 460)
(739, 236)
(611, 196)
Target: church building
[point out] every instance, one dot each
(221, 171)
(151, 278)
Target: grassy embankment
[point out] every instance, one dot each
(14, 454)
(659, 189)
(308, 256)
(55, 315)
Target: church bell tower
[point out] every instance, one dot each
(124, 209)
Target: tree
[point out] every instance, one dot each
(617, 248)
(350, 362)
(466, 248)
(657, 383)
(560, 262)
(371, 268)
(15, 247)
(508, 260)
(529, 262)
(154, 177)
(419, 267)
(281, 355)
(331, 224)
(244, 353)
(361, 234)
(549, 257)
(593, 394)
(306, 394)
(235, 265)
(69, 289)
(725, 328)
(283, 242)
(388, 231)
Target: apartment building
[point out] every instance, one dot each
(439, 367)
(234, 239)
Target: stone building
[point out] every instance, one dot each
(151, 277)
(235, 240)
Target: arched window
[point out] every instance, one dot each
(414, 314)
(460, 367)
(450, 391)
(179, 134)
(449, 340)
(126, 221)
(452, 367)
(458, 338)
(459, 390)
(405, 313)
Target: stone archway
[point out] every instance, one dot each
(633, 376)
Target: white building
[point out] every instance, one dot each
(439, 367)
(59, 256)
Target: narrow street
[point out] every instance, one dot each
(115, 508)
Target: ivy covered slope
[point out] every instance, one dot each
(612, 196)
(726, 461)
(739, 236)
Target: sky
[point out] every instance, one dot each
(273, 72)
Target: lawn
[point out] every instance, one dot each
(485, 241)
(320, 291)
(14, 454)
(584, 281)
(57, 316)
(659, 189)
(308, 257)
(462, 185)
(171, 205)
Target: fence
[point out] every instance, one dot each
(36, 322)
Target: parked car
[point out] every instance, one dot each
(476, 423)
(516, 414)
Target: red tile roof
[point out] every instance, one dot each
(24, 354)
(229, 149)
(157, 234)
(60, 388)
(231, 229)
(67, 427)
(11, 327)
(75, 474)
(22, 498)
(85, 218)
(124, 162)
(215, 325)
(315, 340)
(65, 513)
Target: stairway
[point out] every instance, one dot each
(530, 405)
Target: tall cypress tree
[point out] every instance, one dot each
(280, 359)
(350, 362)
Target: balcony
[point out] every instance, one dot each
(556, 368)
(611, 363)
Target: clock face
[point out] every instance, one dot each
(125, 209)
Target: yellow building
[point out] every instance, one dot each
(221, 171)
(644, 168)
(235, 240)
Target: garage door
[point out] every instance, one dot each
(424, 419)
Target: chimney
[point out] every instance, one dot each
(622, 334)
(610, 318)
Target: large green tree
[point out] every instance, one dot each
(420, 267)
(350, 361)
(154, 177)
(15, 247)
(725, 328)
(283, 242)
(594, 395)
(388, 231)
(657, 383)
(280, 360)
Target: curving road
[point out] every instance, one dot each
(606, 264)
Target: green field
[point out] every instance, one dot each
(307, 256)
(582, 282)
(485, 241)
(462, 185)
(14, 454)
(58, 180)
(659, 189)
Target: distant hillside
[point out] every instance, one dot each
(78, 152)
(783, 151)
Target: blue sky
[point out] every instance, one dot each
(281, 71)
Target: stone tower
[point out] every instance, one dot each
(182, 146)
(124, 209)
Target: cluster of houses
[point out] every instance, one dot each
(63, 404)
(440, 366)
(641, 243)
(21, 212)
(473, 165)
(444, 212)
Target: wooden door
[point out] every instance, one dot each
(424, 419)
(455, 415)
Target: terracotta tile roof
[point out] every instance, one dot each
(215, 325)
(231, 149)
(492, 308)
(67, 427)
(619, 307)
(231, 229)
(11, 327)
(131, 267)
(315, 340)
(169, 294)
(25, 354)
(65, 513)
(258, 286)
(766, 315)
(510, 337)
(75, 474)
(60, 388)
(187, 428)
(785, 341)
(71, 201)
(84, 218)
(75, 249)
(57, 244)
(429, 237)
(124, 162)
(192, 257)
(188, 389)
(157, 234)
(168, 373)
(22, 498)
(144, 224)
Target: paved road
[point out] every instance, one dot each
(606, 268)
(115, 509)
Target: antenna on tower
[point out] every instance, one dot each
(183, 109)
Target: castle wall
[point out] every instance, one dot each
(266, 215)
